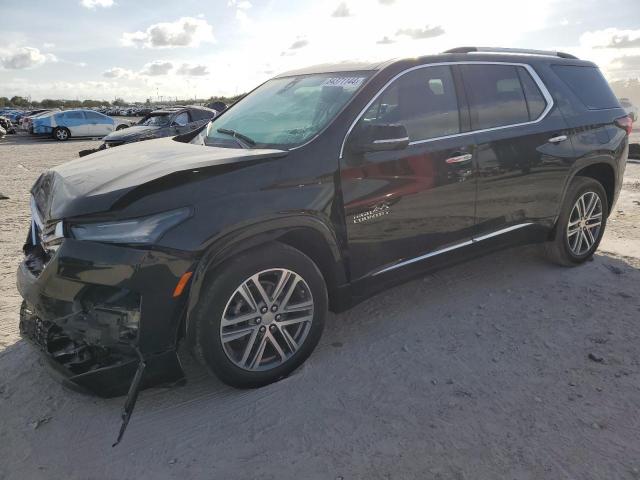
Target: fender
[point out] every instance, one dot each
(244, 236)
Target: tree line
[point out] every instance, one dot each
(22, 102)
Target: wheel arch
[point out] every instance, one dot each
(605, 174)
(306, 233)
(598, 169)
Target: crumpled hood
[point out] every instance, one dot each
(131, 133)
(94, 183)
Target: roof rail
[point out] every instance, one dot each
(510, 50)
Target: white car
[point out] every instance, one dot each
(76, 123)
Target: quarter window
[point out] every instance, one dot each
(501, 95)
(423, 100)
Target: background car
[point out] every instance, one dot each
(162, 123)
(6, 125)
(630, 108)
(76, 123)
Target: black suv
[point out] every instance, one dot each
(166, 122)
(319, 188)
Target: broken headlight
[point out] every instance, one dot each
(134, 230)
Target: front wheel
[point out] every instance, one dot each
(581, 223)
(61, 134)
(260, 315)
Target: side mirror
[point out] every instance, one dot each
(379, 138)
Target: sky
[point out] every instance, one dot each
(103, 49)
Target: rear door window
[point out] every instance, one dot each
(423, 100)
(496, 96)
(95, 116)
(201, 115)
(74, 115)
(181, 119)
(589, 85)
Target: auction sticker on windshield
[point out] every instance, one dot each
(351, 82)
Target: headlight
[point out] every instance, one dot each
(134, 230)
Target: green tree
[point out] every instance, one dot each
(119, 102)
(49, 103)
(4, 102)
(17, 101)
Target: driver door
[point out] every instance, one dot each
(402, 205)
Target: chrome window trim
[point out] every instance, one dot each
(534, 75)
(466, 243)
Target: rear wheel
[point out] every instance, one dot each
(61, 134)
(581, 223)
(260, 316)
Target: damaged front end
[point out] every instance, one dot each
(94, 310)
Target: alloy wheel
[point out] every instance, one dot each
(585, 223)
(61, 134)
(266, 320)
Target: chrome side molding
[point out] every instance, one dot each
(466, 243)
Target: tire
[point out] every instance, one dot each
(61, 134)
(562, 250)
(237, 360)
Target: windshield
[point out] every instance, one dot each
(156, 120)
(284, 112)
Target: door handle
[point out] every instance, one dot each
(558, 139)
(459, 159)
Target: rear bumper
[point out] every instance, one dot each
(41, 130)
(92, 303)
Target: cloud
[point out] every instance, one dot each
(25, 57)
(92, 4)
(421, 33)
(342, 11)
(241, 4)
(117, 72)
(387, 2)
(184, 32)
(159, 67)
(300, 43)
(385, 41)
(192, 70)
(48, 45)
(611, 38)
(628, 63)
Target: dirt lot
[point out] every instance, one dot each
(480, 371)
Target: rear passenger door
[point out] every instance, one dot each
(99, 125)
(522, 146)
(76, 122)
(404, 206)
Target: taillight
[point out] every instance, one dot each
(625, 123)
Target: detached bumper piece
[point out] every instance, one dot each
(88, 366)
(105, 371)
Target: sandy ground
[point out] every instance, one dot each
(480, 371)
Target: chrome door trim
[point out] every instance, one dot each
(466, 243)
(536, 78)
(391, 140)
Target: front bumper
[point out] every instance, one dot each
(89, 304)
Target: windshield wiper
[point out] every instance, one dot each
(243, 140)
